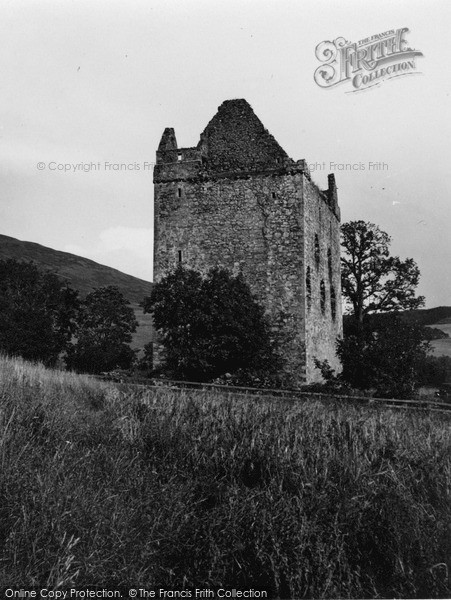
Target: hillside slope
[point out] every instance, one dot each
(438, 317)
(81, 273)
(85, 275)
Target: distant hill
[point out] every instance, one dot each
(85, 275)
(429, 316)
(422, 316)
(438, 319)
(81, 273)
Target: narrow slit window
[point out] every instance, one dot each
(329, 263)
(273, 194)
(333, 303)
(323, 296)
(179, 192)
(317, 250)
(308, 285)
(180, 256)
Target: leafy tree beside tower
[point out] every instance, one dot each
(373, 280)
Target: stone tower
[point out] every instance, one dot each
(236, 200)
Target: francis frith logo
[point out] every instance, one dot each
(365, 63)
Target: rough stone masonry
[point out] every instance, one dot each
(238, 201)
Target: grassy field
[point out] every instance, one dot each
(142, 488)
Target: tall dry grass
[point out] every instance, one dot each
(112, 488)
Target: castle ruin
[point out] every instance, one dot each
(238, 201)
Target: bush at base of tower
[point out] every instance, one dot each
(210, 326)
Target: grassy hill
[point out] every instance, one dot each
(118, 488)
(81, 273)
(84, 275)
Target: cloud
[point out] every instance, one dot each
(129, 249)
(138, 241)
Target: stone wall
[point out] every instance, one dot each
(238, 201)
(322, 255)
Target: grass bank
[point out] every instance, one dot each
(140, 489)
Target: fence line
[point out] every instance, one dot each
(286, 394)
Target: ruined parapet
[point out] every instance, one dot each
(332, 195)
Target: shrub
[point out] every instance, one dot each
(37, 312)
(211, 326)
(105, 326)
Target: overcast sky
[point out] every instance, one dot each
(97, 82)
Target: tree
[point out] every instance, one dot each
(435, 370)
(387, 357)
(105, 326)
(210, 326)
(372, 280)
(37, 312)
(379, 351)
